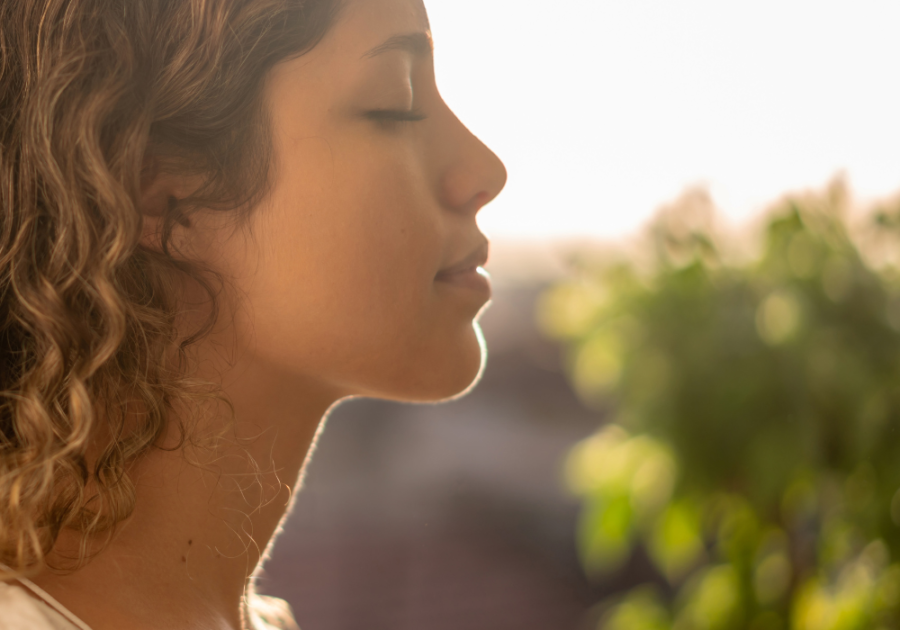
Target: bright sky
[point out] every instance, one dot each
(604, 109)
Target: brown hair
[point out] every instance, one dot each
(93, 93)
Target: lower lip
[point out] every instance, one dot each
(477, 280)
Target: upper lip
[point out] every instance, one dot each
(476, 258)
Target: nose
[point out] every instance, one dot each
(473, 174)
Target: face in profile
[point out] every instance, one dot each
(342, 271)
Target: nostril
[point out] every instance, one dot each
(481, 199)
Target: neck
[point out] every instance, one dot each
(203, 516)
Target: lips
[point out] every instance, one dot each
(466, 275)
(478, 257)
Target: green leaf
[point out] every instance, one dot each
(675, 543)
(641, 609)
(606, 533)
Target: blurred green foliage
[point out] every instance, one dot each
(755, 452)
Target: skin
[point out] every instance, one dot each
(332, 295)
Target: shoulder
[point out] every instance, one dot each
(266, 613)
(21, 611)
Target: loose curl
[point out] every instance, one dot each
(95, 95)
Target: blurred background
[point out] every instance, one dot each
(689, 416)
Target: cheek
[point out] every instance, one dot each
(347, 255)
(378, 237)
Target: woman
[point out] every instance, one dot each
(219, 218)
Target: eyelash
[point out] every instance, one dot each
(392, 117)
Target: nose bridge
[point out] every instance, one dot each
(473, 175)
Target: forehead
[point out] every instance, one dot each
(333, 70)
(367, 23)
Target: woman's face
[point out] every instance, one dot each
(339, 267)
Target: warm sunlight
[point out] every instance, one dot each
(603, 110)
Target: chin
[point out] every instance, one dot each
(451, 376)
(475, 371)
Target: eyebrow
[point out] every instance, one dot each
(417, 44)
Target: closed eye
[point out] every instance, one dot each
(388, 116)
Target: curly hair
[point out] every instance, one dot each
(94, 95)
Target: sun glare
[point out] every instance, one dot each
(603, 110)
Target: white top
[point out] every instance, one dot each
(21, 611)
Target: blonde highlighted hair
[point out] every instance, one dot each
(93, 93)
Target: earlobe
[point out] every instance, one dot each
(154, 189)
(160, 192)
(151, 231)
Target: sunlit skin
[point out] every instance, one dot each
(332, 294)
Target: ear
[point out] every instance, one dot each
(160, 191)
